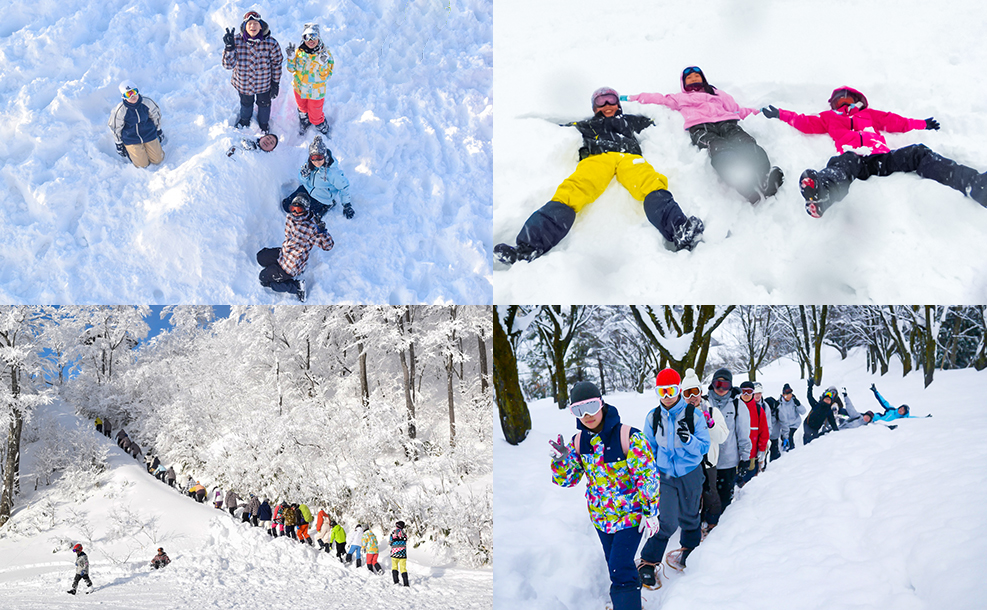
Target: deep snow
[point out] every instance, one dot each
(216, 562)
(411, 101)
(863, 518)
(907, 57)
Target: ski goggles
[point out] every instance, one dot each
(590, 406)
(746, 392)
(690, 392)
(722, 384)
(129, 91)
(310, 36)
(317, 157)
(254, 15)
(829, 393)
(691, 70)
(605, 99)
(667, 391)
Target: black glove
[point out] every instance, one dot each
(931, 123)
(122, 151)
(873, 388)
(228, 39)
(348, 211)
(683, 432)
(811, 382)
(161, 137)
(321, 225)
(275, 89)
(771, 112)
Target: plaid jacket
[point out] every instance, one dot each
(255, 63)
(300, 234)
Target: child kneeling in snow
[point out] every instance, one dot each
(160, 560)
(323, 181)
(136, 127)
(283, 265)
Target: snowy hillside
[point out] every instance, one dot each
(216, 562)
(907, 57)
(410, 99)
(863, 518)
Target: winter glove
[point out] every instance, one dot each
(710, 422)
(121, 150)
(931, 123)
(321, 225)
(683, 432)
(161, 137)
(844, 392)
(753, 464)
(228, 39)
(761, 458)
(275, 89)
(622, 98)
(323, 58)
(348, 211)
(559, 452)
(290, 50)
(771, 112)
(649, 526)
(811, 382)
(873, 388)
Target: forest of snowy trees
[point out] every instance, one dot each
(542, 350)
(378, 413)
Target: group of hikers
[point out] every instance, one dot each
(693, 452)
(255, 58)
(611, 149)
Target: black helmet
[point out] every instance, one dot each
(400, 524)
(302, 201)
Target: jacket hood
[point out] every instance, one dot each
(706, 86)
(265, 32)
(848, 90)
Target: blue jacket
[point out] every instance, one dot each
(264, 513)
(672, 457)
(328, 185)
(890, 413)
(136, 123)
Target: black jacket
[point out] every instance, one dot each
(615, 134)
(821, 412)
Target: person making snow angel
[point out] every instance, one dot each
(311, 65)
(255, 58)
(621, 485)
(712, 119)
(323, 180)
(678, 435)
(136, 127)
(855, 128)
(890, 413)
(302, 231)
(610, 149)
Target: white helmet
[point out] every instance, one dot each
(127, 86)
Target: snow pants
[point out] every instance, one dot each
(272, 275)
(843, 169)
(263, 108)
(619, 549)
(310, 109)
(141, 155)
(341, 550)
(726, 478)
(549, 224)
(791, 439)
(712, 507)
(680, 498)
(78, 577)
(775, 450)
(319, 209)
(303, 533)
(735, 155)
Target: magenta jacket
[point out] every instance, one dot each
(698, 106)
(853, 129)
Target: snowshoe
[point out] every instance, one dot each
(676, 559)
(688, 234)
(648, 573)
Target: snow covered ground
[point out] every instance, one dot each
(863, 518)
(411, 101)
(216, 562)
(907, 57)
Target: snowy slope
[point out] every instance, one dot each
(411, 101)
(907, 57)
(216, 562)
(864, 518)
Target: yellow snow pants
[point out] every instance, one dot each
(593, 174)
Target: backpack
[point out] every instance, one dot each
(690, 412)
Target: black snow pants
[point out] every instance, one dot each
(78, 577)
(726, 478)
(735, 155)
(272, 275)
(712, 506)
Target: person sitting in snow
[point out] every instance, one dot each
(890, 413)
(621, 489)
(311, 65)
(610, 148)
(855, 128)
(81, 569)
(399, 553)
(255, 58)
(854, 419)
(712, 118)
(283, 266)
(323, 181)
(136, 127)
(819, 413)
(160, 560)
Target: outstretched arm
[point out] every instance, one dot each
(655, 98)
(885, 404)
(806, 123)
(894, 123)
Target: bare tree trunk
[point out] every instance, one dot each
(929, 363)
(452, 407)
(603, 382)
(11, 470)
(515, 420)
(409, 403)
(484, 373)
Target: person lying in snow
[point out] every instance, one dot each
(610, 149)
(890, 413)
(283, 266)
(266, 143)
(712, 118)
(323, 181)
(855, 128)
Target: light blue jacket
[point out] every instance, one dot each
(326, 184)
(672, 456)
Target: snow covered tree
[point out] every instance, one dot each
(556, 327)
(680, 333)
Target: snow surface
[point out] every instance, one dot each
(862, 518)
(216, 562)
(907, 57)
(411, 102)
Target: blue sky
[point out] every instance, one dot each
(157, 324)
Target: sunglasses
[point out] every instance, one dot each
(667, 391)
(691, 392)
(317, 157)
(691, 70)
(605, 100)
(590, 406)
(722, 384)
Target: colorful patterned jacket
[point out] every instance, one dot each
(369, 542)
(256, 62)
(312, 68)
(300, 234)
(399, 544)
(619, 488)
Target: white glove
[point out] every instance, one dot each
(761, 458)
(559, 451)
(649, 526)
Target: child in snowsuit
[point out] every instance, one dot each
(621, 485)
(712, 119)
(136, 127)
(283, 265)
(370, 550)
(354, 551)
(323, 180)
(610, 148)
(890, 413)
(160, 560)
(819, 413)
(81, 569)
(678, 435)
(399, 553)
(255, 58)
(312, 66)
(856, 128)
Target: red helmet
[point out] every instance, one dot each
(77, 548)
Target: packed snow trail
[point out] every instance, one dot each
(411, 102)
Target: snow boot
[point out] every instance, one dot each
(349, 559)
(303, 123)
(72, 591)
(300, 292)
(240, 124)
(323, 128)
(648, 573)
(404, 577)
(265, 127)
(394, 573)
(818, 192)
(676, 559)
(358, 564)
(509, 255)
(688, 234)
(773, 183)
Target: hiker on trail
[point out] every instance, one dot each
(231, 500)
(371, 551)
(399, 553)
(356, 545)
(81, 570)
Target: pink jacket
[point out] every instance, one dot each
(852, 128)
(698, 106)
